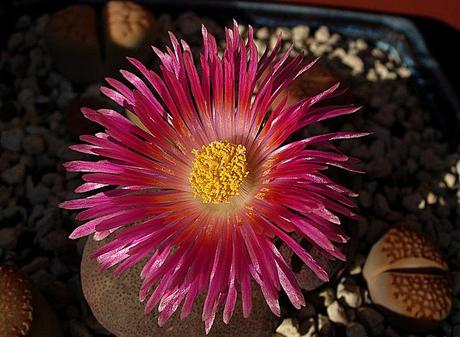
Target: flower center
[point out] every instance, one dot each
(218, 171)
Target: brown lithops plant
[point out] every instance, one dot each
(114, 302)
(16, 310)
(318, 78)
(407, 275)
(73, 42)
(73, 38)
(129, 31)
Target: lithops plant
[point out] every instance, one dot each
(115, 304)
(408, 276)
(16, 312)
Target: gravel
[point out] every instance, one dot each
(412, 173)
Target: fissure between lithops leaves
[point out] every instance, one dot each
(218, 170)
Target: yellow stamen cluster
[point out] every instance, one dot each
(218, 171)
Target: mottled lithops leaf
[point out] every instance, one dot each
(408, 276)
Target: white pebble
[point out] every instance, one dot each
(288, 329)
(300, 33)
(322, 34)
(336, 313)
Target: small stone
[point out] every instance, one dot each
(308, 311)
(34, 144)
(324, 325)
(307, 327)
(377, 148)
(23, 22)
(336, 313)
(449, 179)
(189, 23)
(285, 33)
(381, 205)
(351, 294)
(5, 195)
(36, 194)
(379, 168)
(354, 62)
(14, 174)
(322, 34)
(431, 161)
(456, 283)
(431, 198)
(36, 264)
(390, 332)
(328, 295)
(412, 201)
(26, 99)
(365, 199)
(288, 328)
(15, 40)
(300, 33)
(444, 239)
(12, 139)
(361, 44)
(8, 237)
(404, 72)
(356, 330)
(77, 329)
(263, 33)
(356, 266)
(369, 317)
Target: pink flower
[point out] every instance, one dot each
(207, 181)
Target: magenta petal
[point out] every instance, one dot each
(146, 208)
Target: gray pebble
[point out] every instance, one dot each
(34, 144)
(189, 23)
(379, 168)
(12, 139)
(5, 194)
(8, 237)
(14, 174)
(365, 199)
(36, 194)
(77, 329)
(390, 332)
(15, 40)
(26, 99)
(308, 311)
(411, 202)
(356, 330)
(381, 205)
(23, 22)
(369, 317)
(36, 264)
(431, 161)
(308, 328)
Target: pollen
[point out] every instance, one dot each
(218, 170)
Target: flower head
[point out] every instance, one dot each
(202, 186)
